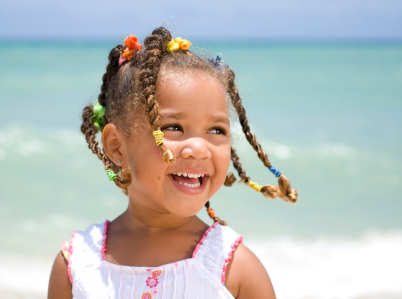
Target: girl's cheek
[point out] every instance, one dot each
(174, 146)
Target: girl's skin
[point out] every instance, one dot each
(159, 225)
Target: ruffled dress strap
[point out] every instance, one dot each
(214, 252)
(85, 248)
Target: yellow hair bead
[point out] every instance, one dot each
(172, 46)
(158, 137)
(178, 44)
(255, 186)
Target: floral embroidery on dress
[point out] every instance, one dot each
(146, 296)
(152, 282)
(157, 273)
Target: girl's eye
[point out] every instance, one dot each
(218, 130)
(172, 128)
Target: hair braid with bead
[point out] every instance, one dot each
(89, 129)
(212, 215)
(269, 191)
(154, 49)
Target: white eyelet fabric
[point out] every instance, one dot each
(200, 277)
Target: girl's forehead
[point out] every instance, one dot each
(191, 92)
(180, 75)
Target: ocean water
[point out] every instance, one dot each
(329, 115)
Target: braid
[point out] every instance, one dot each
(237, 165)
(230, 180)
(212, 215)
(111, 70)
(154, 49)
(269, 191)
(89, 129)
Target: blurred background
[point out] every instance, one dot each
(321, 82)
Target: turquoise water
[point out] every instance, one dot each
(329, 115)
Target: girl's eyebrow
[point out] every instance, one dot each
(172, 115)
(220, 119)
(178, 115)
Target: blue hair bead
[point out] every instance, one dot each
(217, 63)
(275, 171)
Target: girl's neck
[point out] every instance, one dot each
(142, 217)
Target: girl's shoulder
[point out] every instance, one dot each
(222, 251)
(215, 249)
(92, 239)
(60, 283)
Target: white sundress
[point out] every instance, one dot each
(202, 276)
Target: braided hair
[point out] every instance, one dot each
(89, 129)
(155, 45)
(269, 191)
(132, 85)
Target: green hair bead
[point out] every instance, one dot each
(98, 115)
(111, 175)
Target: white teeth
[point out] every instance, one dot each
(190, 175)
(191, 185)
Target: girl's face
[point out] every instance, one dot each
(195, 123)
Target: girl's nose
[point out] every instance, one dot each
(196, 148)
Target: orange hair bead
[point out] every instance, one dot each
(132, 47)
(211, 213)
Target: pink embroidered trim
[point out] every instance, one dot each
(103, 249)
(203, 238)
(236, 242)
(70, 253)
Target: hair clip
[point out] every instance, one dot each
(275, 171)
(177, 44)
(132, 47)
(158, 137)
(98, 115)
(111, 175)
(254, 186)
(217, 63)
(211, 213)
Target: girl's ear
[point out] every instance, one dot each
(112, 142)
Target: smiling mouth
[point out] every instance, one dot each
(189, 180)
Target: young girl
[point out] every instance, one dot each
(163, 114)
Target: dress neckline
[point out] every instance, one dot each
(145, 268)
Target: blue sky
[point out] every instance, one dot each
(214, 19)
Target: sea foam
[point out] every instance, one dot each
(366, 267)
